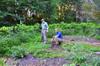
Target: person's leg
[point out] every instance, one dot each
(59, 41)
(44, 36)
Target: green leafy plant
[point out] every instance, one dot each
(17, 51)
(2, 62)
(8, 42)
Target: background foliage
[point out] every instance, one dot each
(52, 10)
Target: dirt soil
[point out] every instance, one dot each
(81, 39)
(29, 60)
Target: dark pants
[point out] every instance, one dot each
(59, 41)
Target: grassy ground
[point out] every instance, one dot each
(2, 62)
(76, 53)
(26, 40)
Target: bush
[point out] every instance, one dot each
(24, 37)
(17, 51)
(1, 62)
(97, 37)
(87, 29)
(78, 59)
(8, 42)
(30, 34)
(24, 34)
(4, 30)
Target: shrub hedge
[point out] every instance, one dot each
(25, 34)
(87, 29)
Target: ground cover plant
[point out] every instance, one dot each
(20, 40)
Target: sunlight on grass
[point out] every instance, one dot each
(1, 62)
(81, 47)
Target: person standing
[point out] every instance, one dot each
(44, 30)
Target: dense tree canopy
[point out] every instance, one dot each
(34, 10)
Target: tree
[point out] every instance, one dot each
(25, 10)
(91, 10)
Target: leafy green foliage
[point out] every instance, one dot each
(8, 42)
(81, 54)
(45, 8)
(1, 62)
(22, 34)
(87, 29)
(17, 51)
(26, 40)
(97, 37)
(26, 34)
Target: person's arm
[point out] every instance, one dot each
(47, 25)
(57, 35)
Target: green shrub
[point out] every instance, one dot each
(17, 51)
(97, 37)
(1, 62)
(97, 64)
(31, 36)
(82, 54)
(25, 34)
(23, 37)
(25, 28)
(87, 29)
(79, 59)
(8, 42)
(4, 30)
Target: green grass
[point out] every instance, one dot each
(82, 54)
(76, 53)
(42, 50)
(82, 47)
(1, 62)
(27, 41)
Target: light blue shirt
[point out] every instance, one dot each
(44, 25)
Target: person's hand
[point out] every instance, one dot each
(55, 36)
(47, 30)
